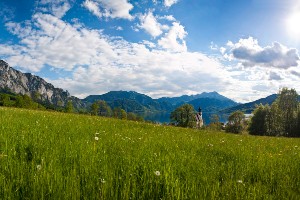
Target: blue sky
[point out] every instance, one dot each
(243, 49)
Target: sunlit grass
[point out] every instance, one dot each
(48, 155)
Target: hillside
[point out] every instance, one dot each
(249, 107)
(37, 88)
(175, 101)
(51, 155)
(212, 105)
(131, 101)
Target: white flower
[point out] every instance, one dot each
(157, 173)
(97, 133)
(96, 138)
(39, 167)
(239, 181)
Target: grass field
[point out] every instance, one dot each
(48, 155)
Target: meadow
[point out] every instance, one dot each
(49, 155)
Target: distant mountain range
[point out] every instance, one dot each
(210, 102)
(136, 102)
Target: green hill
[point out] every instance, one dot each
(51, 155)
(249, 107)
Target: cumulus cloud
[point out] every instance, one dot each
(57, 8)
(174, 39)
(250, 53)
(275, 76)
(109, 8)
(150, 24)
(99, 63)
(169, 3)
(295, 73)
(93, 7)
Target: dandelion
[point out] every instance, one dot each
(96, 138)
(157, 173)
(39, 167)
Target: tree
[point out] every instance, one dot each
(288, 104)
(69, 108)
(120, 113)
(104, 109)
(94, 108)
(258, 124)
(235, 122)
(184, 116)
(215, 123)
(274, 123)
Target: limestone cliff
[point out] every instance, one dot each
(34, 86)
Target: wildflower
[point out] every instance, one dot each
(239, 181)
(157, 173)
(39, 167)
(96, 138)
(103, 181)
(97, 133)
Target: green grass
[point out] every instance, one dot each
(48, 155)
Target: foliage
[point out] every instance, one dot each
(101, 108)
(119, 113)
(258, 125)
(215, 123)
(280, 119)
(184, 116)
(51, 155)
(69, 107)
(236, 122)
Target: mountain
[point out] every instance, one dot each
(212, 105)
(37, 88)
(130, 101)
(249, 107)
(176, 101)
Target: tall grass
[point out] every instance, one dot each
(47, 155)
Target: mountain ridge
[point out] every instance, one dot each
(35, 87)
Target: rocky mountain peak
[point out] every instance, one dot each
(35, 87)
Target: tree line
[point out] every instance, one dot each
(281, 118)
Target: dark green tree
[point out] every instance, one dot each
(184, 116)
(258, 124)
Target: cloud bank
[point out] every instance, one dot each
(251, 54)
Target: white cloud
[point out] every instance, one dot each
(169, 3)
(57, 8)
(99, 63)
(174, 39)
(168, 17)
(251, 54)
(110, 8)
(150, 24)
(93, 7)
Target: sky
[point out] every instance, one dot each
(242, 49)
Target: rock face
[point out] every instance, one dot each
(35, 87)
